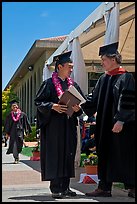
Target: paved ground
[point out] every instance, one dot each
(22, 183)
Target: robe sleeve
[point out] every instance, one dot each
(27, 126)
(126, 104)
(7, 125)
(90, 106)
(42, 101)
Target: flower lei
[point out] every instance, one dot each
(57, 84)
(18, 115)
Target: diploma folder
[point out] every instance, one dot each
(69, 100)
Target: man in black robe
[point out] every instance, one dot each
(113, 98)
(58, 132)
(16, 124)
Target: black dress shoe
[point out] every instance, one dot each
(57, 195)
(69, 192)
(99, 193)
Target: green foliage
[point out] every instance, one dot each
(83, 157)
(7, 96)
(32, 136)
(27, 151)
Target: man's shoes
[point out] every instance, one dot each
(57, 195)
(69, 192)
(131, 193)
(99, 193)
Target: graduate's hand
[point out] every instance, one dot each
(117, 127)
(59, 108)
(76, 108)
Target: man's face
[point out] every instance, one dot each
(14, 107)
(66, 69)
(107, 63)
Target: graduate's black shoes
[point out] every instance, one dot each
(69, 193)
(57, 195)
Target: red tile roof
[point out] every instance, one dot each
(58, 38)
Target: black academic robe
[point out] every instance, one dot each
(114, 100)
(16, 130)
(58, 133)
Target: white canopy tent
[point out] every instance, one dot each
(112, 25)
(72, 42)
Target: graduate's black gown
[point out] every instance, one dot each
(58, 133)
(114, 99)
(16, 131)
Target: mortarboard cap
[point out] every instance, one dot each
(62, 58)
(14, 101)
(108, 49)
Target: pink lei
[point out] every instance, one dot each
(57, 84)
(18, 115)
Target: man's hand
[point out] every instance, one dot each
(76, 108)
(118, 126)
(59, 108)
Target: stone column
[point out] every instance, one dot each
(17, 93)
(33, 93)
(22, 96)
(26, 97)
(38, 79)
(30, 99)
(24, 105)
(19, 97)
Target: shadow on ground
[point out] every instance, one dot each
(9, 163)
(35, 165)
(45, 197)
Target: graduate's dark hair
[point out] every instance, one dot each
(117, 57)
(56, 66)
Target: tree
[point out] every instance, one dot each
(7, 96)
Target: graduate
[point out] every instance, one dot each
(58, 131)
(113, 99)
(16, 124)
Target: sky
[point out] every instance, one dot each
(25, 22)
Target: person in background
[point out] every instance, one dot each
(16, 124)
(90, 146)
(88, 140)
(113, 99)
